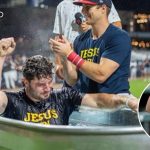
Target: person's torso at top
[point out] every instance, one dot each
(93, 50)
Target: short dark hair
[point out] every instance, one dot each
(37, 66)
(108, 11)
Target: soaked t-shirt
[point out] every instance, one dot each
(54, 110)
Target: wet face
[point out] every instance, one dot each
(92, 13)
(38, 89)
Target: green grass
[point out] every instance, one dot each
(137, 86)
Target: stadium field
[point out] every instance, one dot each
(137, 86)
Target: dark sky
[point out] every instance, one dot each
(136, 5)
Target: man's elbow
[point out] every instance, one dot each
(101, 79)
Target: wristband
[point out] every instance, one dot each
(75, 59)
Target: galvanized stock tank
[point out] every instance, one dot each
(100, 135)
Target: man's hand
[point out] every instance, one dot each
(84, 26)
(132, 103)
(61, 46)
(7, 46)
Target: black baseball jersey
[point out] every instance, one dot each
(54, 110)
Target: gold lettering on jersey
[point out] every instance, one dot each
(43, 118)
(89, 54)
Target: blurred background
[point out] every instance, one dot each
(31, 23)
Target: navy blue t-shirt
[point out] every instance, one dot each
(54, 110)
(114, 44)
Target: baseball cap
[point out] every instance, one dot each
(108, 3)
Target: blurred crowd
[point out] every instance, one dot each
(140, 68)
(12, 71)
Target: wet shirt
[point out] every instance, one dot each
(54, 110)
(115, 45)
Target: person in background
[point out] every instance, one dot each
(100, 56)
(10, 73)
(65, 24)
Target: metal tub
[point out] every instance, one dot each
(18, 135)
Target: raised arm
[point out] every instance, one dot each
(7, 46)
(114, 17)
(69, 72)
(97, 72)
(103, 100)
(65, 69)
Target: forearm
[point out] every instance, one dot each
(93, 71)
(2, 59)
(3, 99)
(114, 101)
(104, 100)
(7, 46)
(110, 100)
(3, 102)
(69, 72)
(98, 72)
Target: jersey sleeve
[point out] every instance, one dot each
(10, 105)
(113, 15)
(118, 49)
(57, 23)
(73, 96)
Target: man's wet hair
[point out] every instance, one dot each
(37, 67)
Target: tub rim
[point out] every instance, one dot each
(77, 130)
